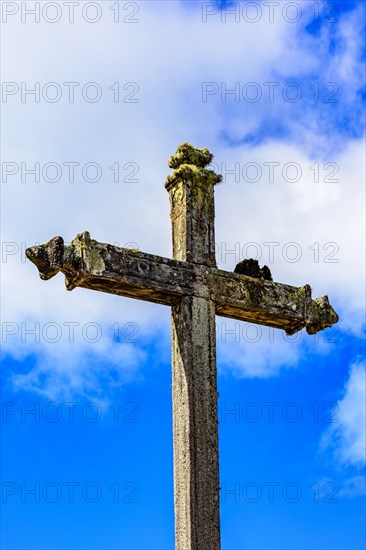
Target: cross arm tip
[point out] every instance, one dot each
(55, 256)
(47, 257)
(322, 315)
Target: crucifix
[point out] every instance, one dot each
(196, 291)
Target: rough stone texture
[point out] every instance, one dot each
(196, 458)
(186, 154)
(192, 210)
(195, 418)
(196, 290)
(47, 257)
(89, 264)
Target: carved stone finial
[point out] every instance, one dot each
(187, 154)
(189, 164)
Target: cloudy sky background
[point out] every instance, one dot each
(185, 60)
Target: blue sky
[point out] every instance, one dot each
(278, 97)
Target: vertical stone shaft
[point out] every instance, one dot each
(195, 419)
(195, 425)
(192, 212)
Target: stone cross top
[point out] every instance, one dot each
(196, 291)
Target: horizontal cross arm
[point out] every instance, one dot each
(268, 303)
(98, 266)
(87, 263)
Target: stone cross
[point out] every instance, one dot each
(196, 291)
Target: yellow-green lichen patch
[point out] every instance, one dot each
(322, 315)
(87, 249)
(198, 176)
(187, 154)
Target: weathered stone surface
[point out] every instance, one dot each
(187, 154)
(321, 315)
(89, 264)
(196, 462)
(195, 418)
(196, 290)
(192, 209)
(48, 257)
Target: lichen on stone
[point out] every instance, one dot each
(87, 250)
(187, 154)
(322, 315)
(47, 257)
(189, 166)
(197, 175)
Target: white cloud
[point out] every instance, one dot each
(169, 53)
(347, 438)
(353, 487)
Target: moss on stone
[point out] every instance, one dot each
(187, 154)
(86, 248)
(197, 175)
(189, 163)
